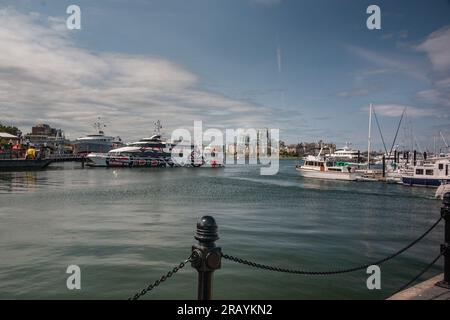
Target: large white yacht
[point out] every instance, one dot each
(346, 153)
(97, 142)
(154, 152)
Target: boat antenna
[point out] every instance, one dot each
(158, 127)
(370, 132)
(98, 125)
(379, 130)
(396, 133)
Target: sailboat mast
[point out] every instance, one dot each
(370, 133)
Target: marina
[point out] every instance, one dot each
(241, 150)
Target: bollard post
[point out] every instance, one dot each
(445, 213)
(207, 256)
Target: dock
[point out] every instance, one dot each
(427, 290)
(37, 164)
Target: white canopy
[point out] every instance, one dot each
(5, 135)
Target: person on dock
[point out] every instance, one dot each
(31, 153)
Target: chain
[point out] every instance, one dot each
(339, 271)
(163, 278)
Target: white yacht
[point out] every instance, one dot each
(154, 152)
(320, 168)
(97, 142)
(346, 153)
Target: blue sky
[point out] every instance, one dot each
(309, 68)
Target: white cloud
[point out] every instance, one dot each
(45, 77)
(437, 47)
(387, 62)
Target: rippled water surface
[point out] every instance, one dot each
(126, 227)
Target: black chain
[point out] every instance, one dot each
(420, 274)
(163, 278)
(318, 273)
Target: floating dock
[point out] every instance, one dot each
(22, 164)
(36, 164)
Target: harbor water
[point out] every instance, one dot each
(126, 227)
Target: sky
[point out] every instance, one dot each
(308, 67)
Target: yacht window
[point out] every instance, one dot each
(419, 171)
(441, 166)
(446, 170)
(429, 172)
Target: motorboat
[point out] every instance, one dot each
(321, 168)
(428, 174)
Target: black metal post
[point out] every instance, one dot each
(207, 257)
(415, 157)
(445, 248)
(384, 166)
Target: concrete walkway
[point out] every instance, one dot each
(426, 290)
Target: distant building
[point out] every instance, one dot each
(42, 135)
(44, 130)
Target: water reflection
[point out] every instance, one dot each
(17, 181)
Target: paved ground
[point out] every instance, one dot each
(426, 290)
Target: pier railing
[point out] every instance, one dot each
(206, 258)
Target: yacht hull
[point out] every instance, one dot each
(423, 182)
(104, 160)
(327, 175)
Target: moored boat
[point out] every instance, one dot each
(428, 174)
(320, 168)
(97, 142)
